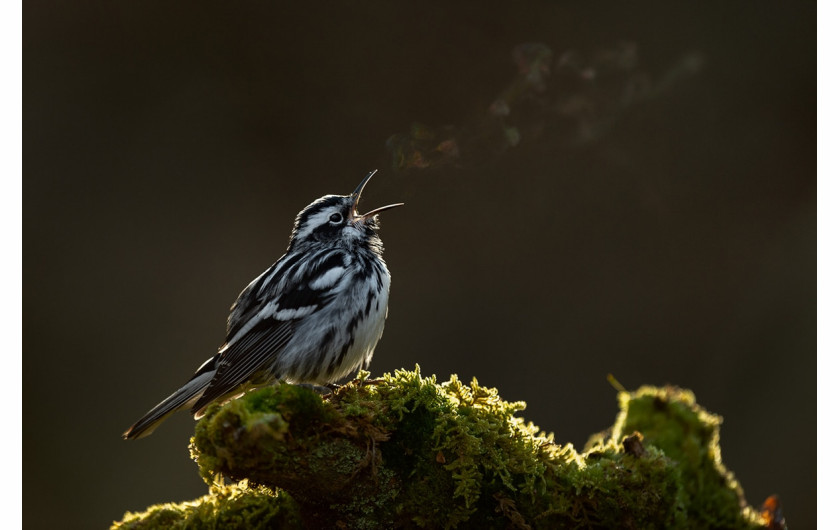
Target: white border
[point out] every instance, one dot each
(828, 264)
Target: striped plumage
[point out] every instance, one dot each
(314, 316)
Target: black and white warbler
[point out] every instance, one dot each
(313, 317)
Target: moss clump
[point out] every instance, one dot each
(690, 436)
(233, 506)
(405, 451)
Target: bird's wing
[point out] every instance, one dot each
(264, 316)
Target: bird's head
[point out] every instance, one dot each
(335, 220)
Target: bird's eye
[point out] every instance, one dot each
(335, 218)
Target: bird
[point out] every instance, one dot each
(312, 318)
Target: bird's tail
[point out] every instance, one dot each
(181, 399)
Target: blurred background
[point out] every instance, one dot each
(590, 189)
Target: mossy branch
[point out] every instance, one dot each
(405, 451)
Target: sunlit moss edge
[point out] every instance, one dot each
(229, 506)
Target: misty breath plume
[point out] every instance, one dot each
(568, 99)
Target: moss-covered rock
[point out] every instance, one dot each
(405, 451)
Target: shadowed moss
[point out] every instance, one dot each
(405, 451)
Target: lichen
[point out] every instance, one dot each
(405, 451)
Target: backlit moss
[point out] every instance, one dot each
(233, 506)
(405, 451)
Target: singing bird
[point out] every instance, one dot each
(313, 317)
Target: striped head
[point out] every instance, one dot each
(334, 220)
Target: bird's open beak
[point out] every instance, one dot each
(357, 194)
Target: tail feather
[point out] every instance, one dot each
(181, 399)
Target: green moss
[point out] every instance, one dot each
(404, 450)
(690, 436)
(234, 506)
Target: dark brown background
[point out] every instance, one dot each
(168, 148)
